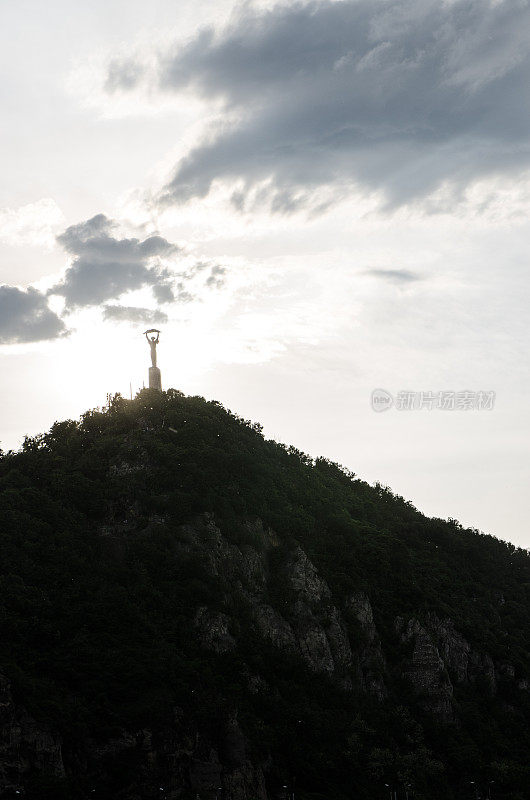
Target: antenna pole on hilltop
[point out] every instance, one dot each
(155, 378)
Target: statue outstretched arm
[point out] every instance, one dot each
(152, 339)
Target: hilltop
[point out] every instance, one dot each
(190, 610)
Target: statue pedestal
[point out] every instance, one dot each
(155, 379)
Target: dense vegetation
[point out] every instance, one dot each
(97, 631)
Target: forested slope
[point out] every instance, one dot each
(188, 609)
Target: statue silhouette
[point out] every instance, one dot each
(153, 341)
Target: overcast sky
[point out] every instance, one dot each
(312, 200)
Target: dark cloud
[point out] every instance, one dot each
(398, 276)
(134, 314)
(216, 278)
(400, 97)
(164, 292)
(26, 317)
(105, 266)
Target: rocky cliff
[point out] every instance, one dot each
(302, 622)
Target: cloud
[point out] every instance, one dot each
(26, 317)
(104, 266)
(398, 98)
(123, 74)
(216, 278)
(397, 276)
(147, 316)
(182, 294)
(32, 224)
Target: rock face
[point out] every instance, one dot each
(213, 630)
(426, 670)
(453, 648)
(274, 628)
(306, 623)
(290, 608)
(208, 768)
(442, 658)
(27, 748)
(319, 630)
(465, 664)
(371, 660)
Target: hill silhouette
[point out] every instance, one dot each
(189, 610)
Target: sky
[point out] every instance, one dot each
(322, 205)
